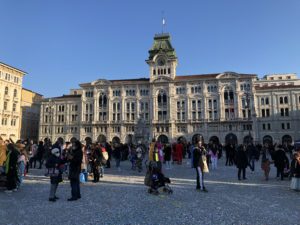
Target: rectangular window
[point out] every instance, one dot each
(193, 105)
(288, 126)
(264, 126)
(267, 112)
(286, 112)
(282, 112)
(5, 106)
(263, 113)
(282, 126)
(269, 126)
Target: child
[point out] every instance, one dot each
(55, 167)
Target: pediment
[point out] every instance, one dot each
(228, 75)
(101, 82)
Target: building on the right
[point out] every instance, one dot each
(277, 109)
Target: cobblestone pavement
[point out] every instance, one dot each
(122, 198)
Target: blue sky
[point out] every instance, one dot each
(63, 43)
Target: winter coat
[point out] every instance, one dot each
(2, 154)
(199, 153)
(75, 163)
(295, 168)
(241, 159)
(151, 151)
(168, 152)
(55, 164)
(280, 159)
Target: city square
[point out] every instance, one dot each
(122, 198)
(127, 112)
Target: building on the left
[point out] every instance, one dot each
(13, 98)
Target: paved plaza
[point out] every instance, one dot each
(122, 198)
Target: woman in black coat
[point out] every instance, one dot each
(241, 161)
(280, 161)
(75, 159)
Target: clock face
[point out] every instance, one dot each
(161, 62)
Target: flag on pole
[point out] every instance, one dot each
(163, 21)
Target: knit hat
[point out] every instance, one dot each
(55, 151)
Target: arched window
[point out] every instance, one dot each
(281, 100)
(286, 100)
(262, 101)
(154, 72)
(15, 93)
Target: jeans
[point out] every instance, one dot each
(75, 186)
(252, 163)
(53, 189)
(214, 162)
(200, 178)
(21, 172)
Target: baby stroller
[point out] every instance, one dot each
(155, 179)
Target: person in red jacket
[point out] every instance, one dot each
(179, 152)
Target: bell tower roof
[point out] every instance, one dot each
(162, 45)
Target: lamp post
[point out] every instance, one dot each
(248, 108)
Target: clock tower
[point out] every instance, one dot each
(162, 59)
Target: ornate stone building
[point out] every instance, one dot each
(30, 105)
(223, 107)
(11, 80)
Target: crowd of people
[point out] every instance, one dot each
(81, 162)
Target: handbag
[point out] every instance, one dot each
(205, 167)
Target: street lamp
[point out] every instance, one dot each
(248, 108)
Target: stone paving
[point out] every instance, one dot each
(122, 198)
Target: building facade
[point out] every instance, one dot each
(11, 80)
(224, 107)
(30, 106)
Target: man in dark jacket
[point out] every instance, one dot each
(75, 159)
(280, 160)
(241, 161)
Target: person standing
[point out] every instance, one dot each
(199, 161)
(214, 153)
(117, 154)
(11, 168)
(75, 159)
(241, 161)
(266, 161)
(295, 172)
(55, 166)
(251, 151)
(280, 160)
(179, 152)
(167, 157)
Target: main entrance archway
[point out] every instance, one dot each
(214, 140)
(101, 138)
(287, 140)
(163, 139)
(267, 140)
(231, 139)
(196, 138)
